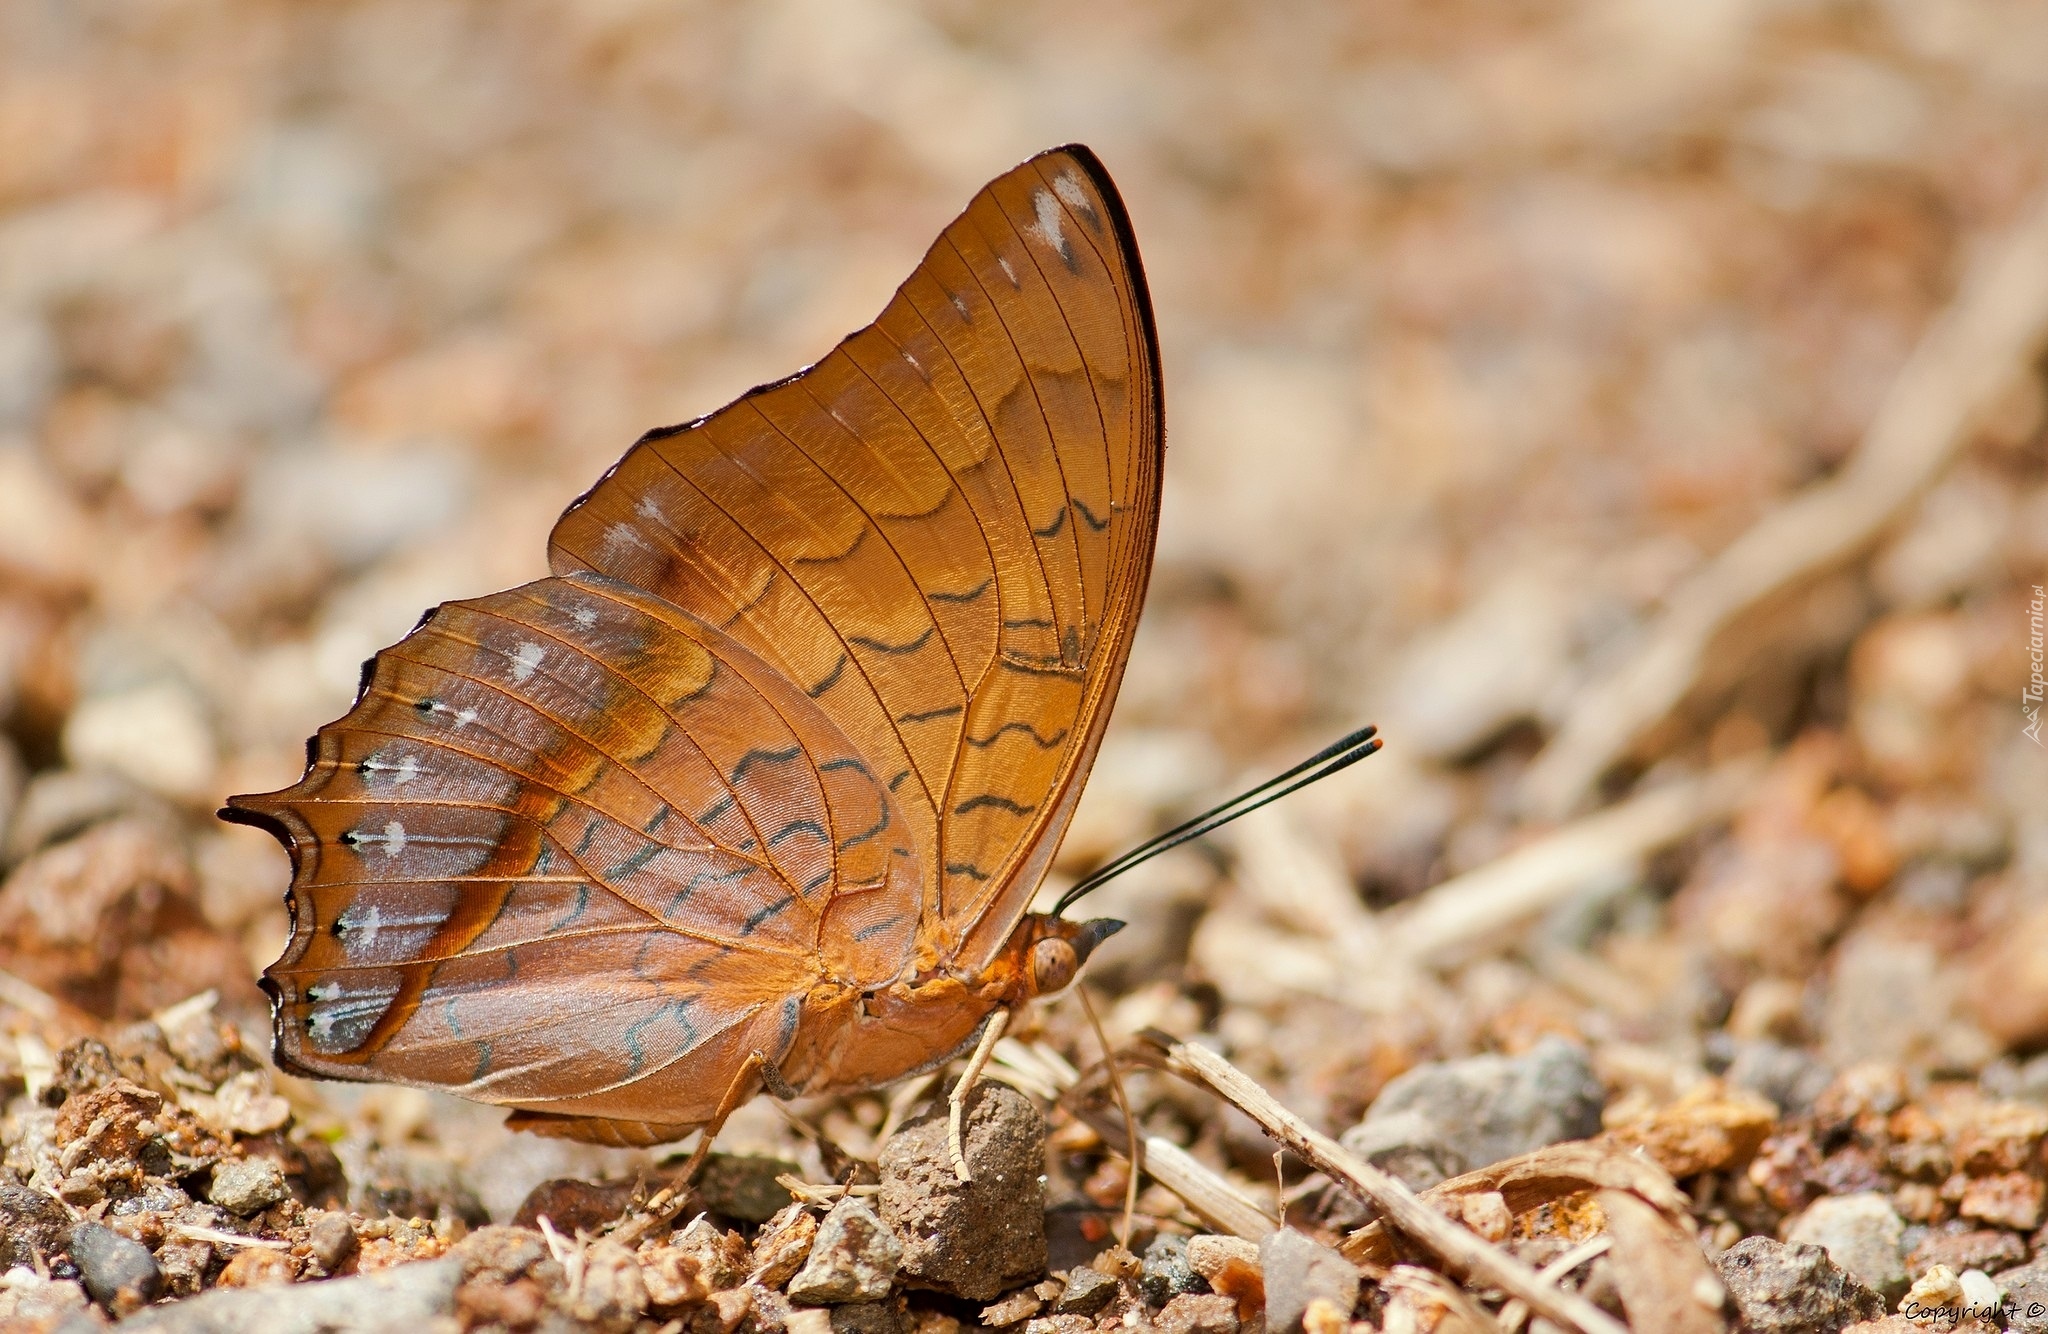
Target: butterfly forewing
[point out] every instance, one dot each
(943, 529)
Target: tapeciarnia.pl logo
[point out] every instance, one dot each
(2030, 694)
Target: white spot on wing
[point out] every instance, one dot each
(393, 838)
(407, 768)
(1008, 272)
(960, 305)
(1070, 190)
(1048, 227)
(584, 617)
(525, 658)
(465, 718)
(648, 510)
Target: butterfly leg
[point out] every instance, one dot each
(670, 1200)
(957, 1100)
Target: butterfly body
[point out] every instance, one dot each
(753, 791)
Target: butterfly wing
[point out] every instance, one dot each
(575, 850)
(942, 530)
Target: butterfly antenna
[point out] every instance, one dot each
(1339, 754)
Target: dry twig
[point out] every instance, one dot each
(1972, 350)
(1463, 1251)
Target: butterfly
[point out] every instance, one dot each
(753, 792)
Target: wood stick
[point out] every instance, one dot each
(1463, 1251)
(1211, 1196)
(1987, 335)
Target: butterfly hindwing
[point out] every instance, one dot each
(567, 836)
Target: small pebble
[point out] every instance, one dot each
(1862, 1234)
(783, 1245)
(247, 1186)
(30, 1223)
(853, 1259)
(612, 1292)
(1166, 1273)
(1796, 1289)
(332, 1239)
(1298, 1270)
(1087, 1291)
(1937, 1287)
(1198, 1313)
(120, 1274)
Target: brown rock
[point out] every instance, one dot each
(972, 1239)
(258, 1267)
(2007, 987)
(782, 1247)
(2009, 1199)
(573, 1205)
(1982, 1248)
(115, 1123)
(1999, 1137)
(32, 1225)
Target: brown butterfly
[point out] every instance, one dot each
(754, 791)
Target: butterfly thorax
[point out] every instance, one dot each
(861, 1039)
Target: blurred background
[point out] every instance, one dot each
(1486, 327)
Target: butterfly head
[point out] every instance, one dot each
(1059, 947)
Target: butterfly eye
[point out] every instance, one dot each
(1053, 964)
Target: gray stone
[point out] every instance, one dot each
(1787, 1075)
(1796, 1289)
(1487, 1108)
(31, 1224)
(1862, 1234)
(1407, 1145)
(1166, 1273)
(1298, 1270)
(247, 1186)
(974, 1239)
(409, 1296)
(1087, 1292)
(853, 1259)
(120, 1273)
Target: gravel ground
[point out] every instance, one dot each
(1487, 331)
